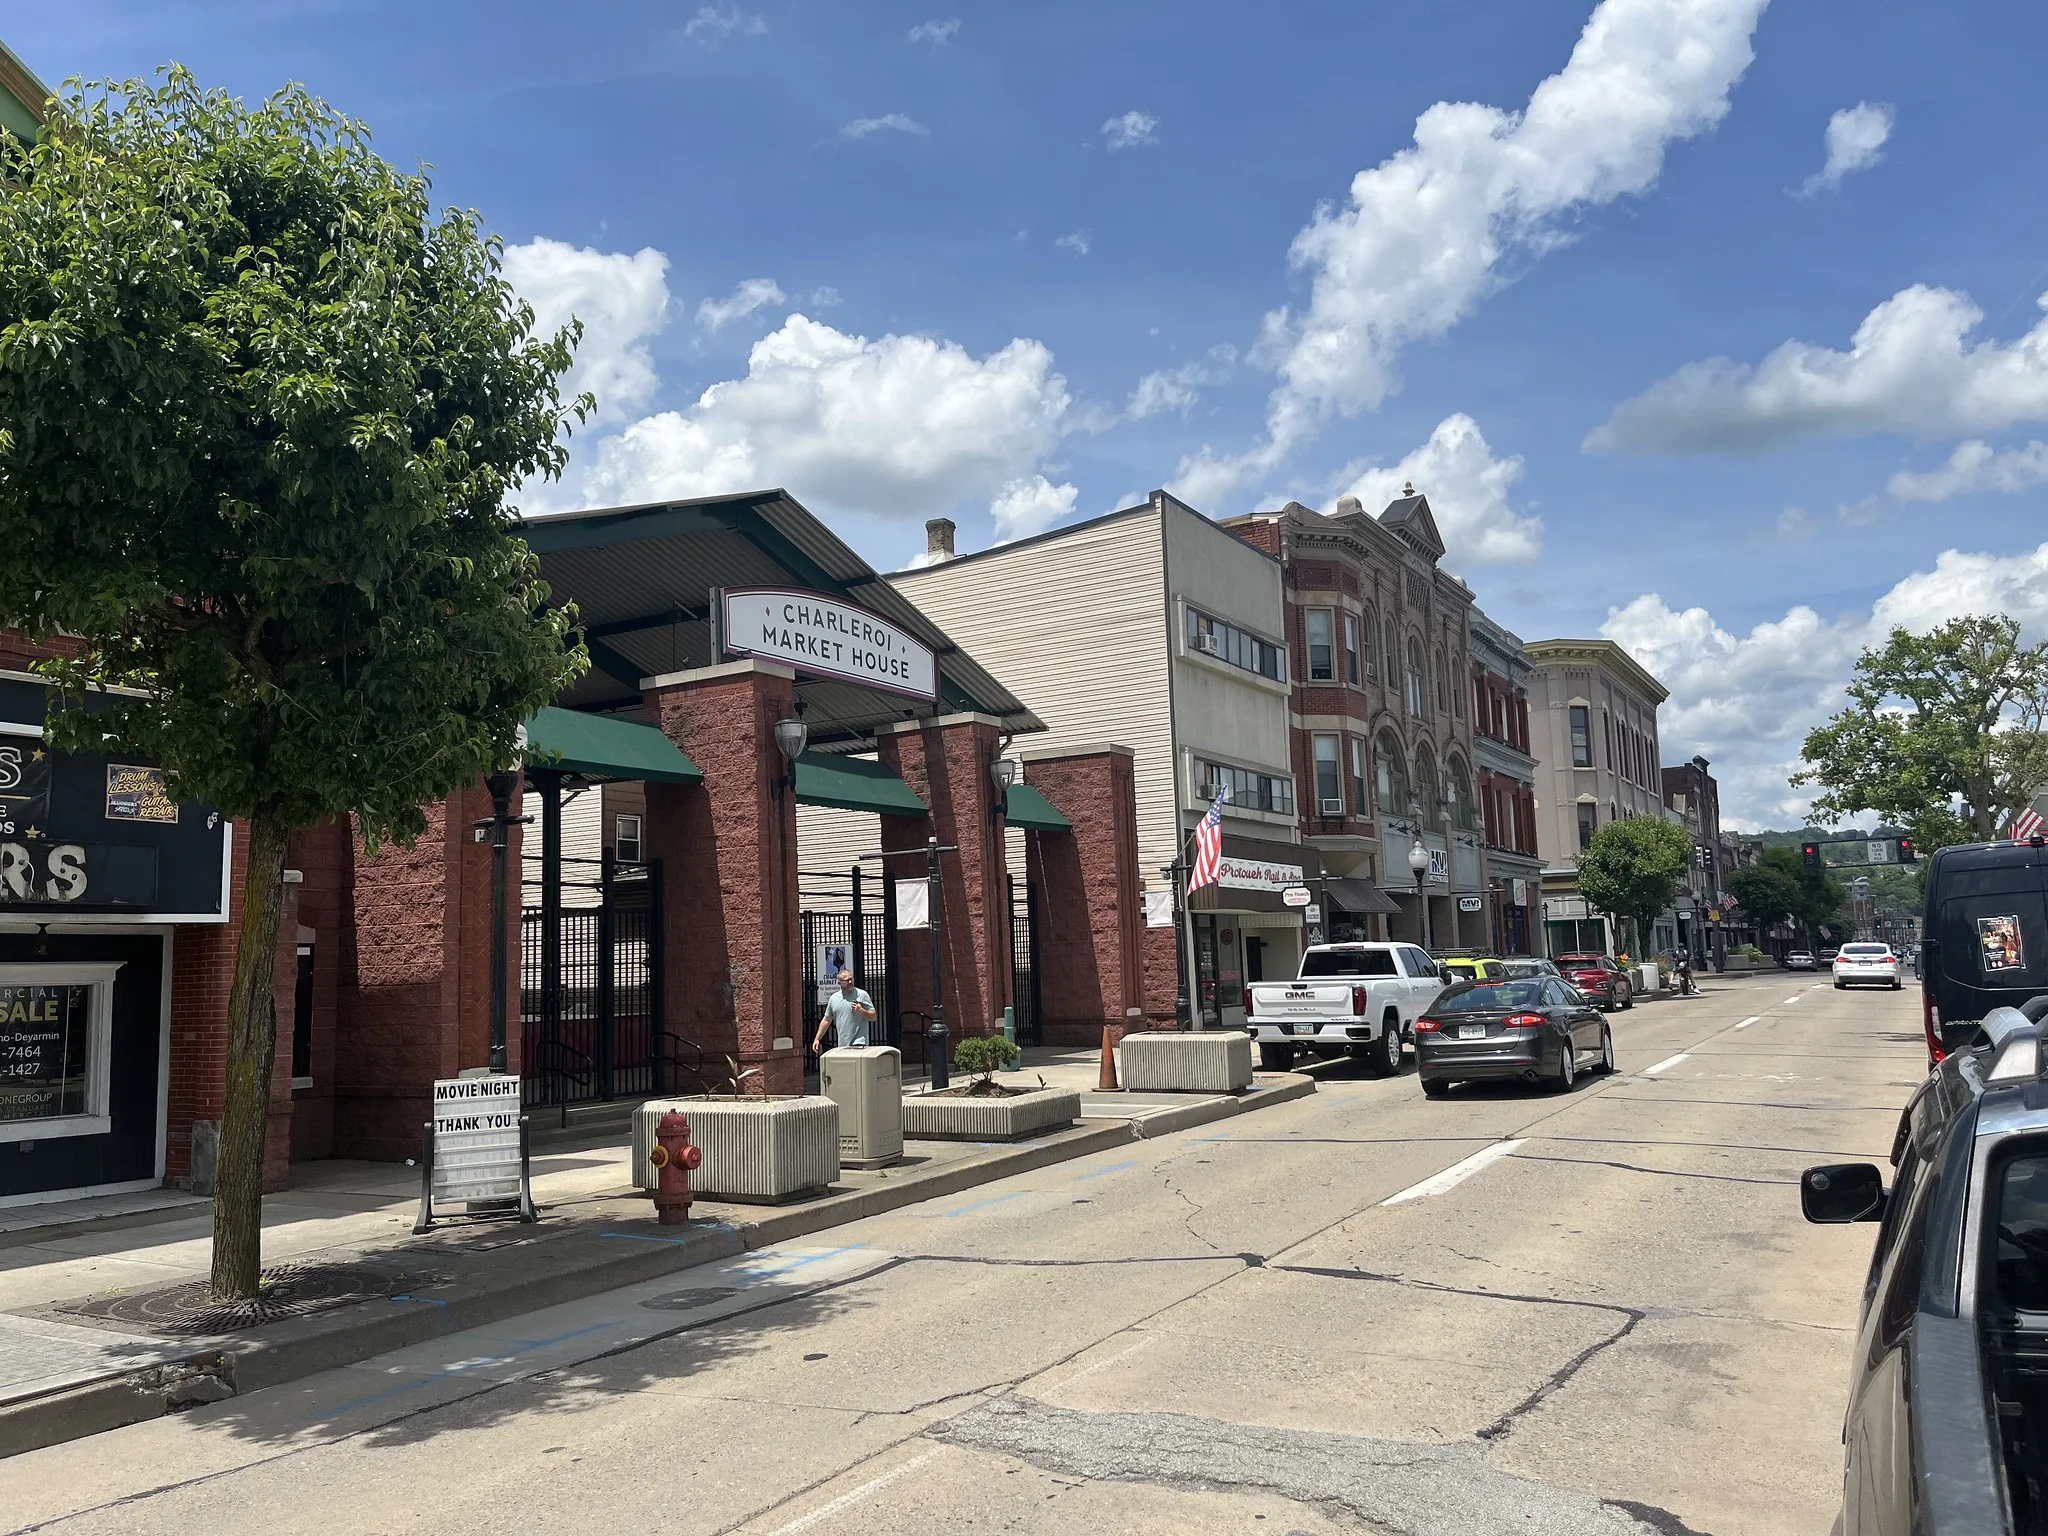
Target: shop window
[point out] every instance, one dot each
(56, 1028)
(1245, 788)
(1582, 741)
(1209, 636)
(1353, 661)
(1329, 776)
(1321, 663)
(1589, 823)
(626, 845)
(302, 1020)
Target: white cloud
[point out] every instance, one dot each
(898, 427)
(1130, 130)
(892, 122)
(1854, 138)
(755, 293)
(1747, 701)
(1177, 389)
(622, 300)
(822, 298)
(1467, 489)
(1975, 467)
(1030, 505)
(1422, 237)
(1077, 242)
(1911, 368)
(715, 23)
(935, 32)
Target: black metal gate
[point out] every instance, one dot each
(847, 925)
(1029, 1016)
(597, 1033)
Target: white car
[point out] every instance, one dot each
(1356, 999)
(1867, 963)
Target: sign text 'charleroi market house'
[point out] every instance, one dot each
(824, 635)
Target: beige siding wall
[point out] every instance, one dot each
(582, 838)
(1075, 626)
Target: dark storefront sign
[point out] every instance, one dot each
(83, 833)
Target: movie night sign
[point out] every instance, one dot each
(827, 637)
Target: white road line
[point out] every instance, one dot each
(1454, 1175)
(1667, 1063)
(1793, 998)
(853, 1496)
(1105, 1362)
(1749, 1021)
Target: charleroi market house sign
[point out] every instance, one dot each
(824, 635)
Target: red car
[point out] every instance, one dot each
(1600, 978)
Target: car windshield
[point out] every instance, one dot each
(1877, 951)
(1528, 968)
(1487, 996)
(1347, 962)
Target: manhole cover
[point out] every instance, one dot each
(288, 1290)
(684, 1301)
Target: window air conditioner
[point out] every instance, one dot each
(1206, 644)
(1333, 807)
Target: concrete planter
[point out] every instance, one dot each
(754, 1148)
(1203, 1062)
(951, 1117)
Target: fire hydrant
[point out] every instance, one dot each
(674, 1157)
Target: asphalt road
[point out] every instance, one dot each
(1507, 1311)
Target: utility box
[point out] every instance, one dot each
(866, 1082)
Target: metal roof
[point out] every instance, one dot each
(641, 579)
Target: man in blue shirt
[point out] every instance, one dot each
(850, 1011)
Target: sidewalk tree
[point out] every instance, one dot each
(1958, 715)
(260, 408)
(1634, 869)
(1779, 888)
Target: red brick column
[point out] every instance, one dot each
(946, 762)
(1090, 901)
(728, 868)
(202, 971)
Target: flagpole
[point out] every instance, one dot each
(1186, 969)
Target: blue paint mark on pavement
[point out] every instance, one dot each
(1081, 1178)
(982, 1205)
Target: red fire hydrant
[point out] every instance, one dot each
(674, 1157)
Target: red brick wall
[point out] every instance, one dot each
(323, 857)
(1162, 979)
(1091, 917)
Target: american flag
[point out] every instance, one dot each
(1208, 847)
(2026, 824)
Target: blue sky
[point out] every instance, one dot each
(998, 223)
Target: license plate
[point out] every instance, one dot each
(1471, 1031)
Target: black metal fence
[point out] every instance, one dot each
(1029, 1017)
(597, 1033)
(846, 926)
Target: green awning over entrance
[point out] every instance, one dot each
(854, 784)
(601, 747)
(1028, 809)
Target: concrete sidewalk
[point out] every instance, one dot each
(81, 1348)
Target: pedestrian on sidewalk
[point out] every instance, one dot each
(848, 1012)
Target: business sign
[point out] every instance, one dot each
(1468, 903)
(1295, 896)
(44, 1034)
(477, 1152)
(1256, 875)
(1313, 913)
(1519, 892)
(828, 637)
(81, 833)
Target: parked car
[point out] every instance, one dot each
(1947, 1426)
(1599, 977)
(1873, 963)
(1471, 968)
(1538, 1030)
(1983, 936)
(1800, 960)
(1827, 955)
(1523, 968)
(1359, 999)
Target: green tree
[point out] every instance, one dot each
(1633, 869)
(260, 409)
(1953, 716)
(1780, 889)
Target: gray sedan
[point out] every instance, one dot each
(1539, 1029)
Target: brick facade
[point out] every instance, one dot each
(1091, 904)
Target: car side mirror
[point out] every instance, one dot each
(1842, 1192)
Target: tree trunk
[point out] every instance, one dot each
(252, 1048)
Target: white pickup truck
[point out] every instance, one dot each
(1359, 999)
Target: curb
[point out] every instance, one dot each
(353, 1334)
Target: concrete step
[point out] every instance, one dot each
(582, 1124)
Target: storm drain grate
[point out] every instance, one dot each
(287, 1290)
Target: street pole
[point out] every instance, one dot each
(501, 786)
(936, 1035)
(1183, 938)
(1422, 905)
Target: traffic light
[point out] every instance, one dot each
(1906, 853)
(1810, 852)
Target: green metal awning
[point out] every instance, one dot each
(854, 784)
(602, 747)
(1028, 809)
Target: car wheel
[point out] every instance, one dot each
(1628, 1000)
(1897, 985)
(1435, 1088)
(1606, 1051)
(1567, 1067)
(1276, 1058)
(1383, 1057)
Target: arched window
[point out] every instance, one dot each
(1418, 688)
(1443, 697)
(1390, 778)
(1458, 795)
(1427, 796)
(1367, 630)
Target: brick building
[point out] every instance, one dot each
(1506, 789)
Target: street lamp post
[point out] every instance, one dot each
(941, 1074)
(1418, 862)
(502, 787)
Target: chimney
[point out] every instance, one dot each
(938, 540)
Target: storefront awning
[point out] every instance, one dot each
(854, 784)
(1360, 897)
(602, 747)
(1026, 808)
